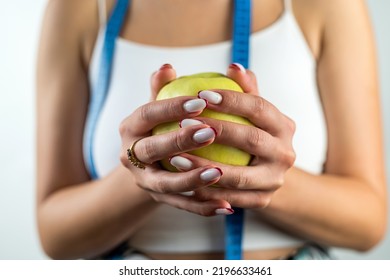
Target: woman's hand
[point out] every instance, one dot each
(164, 186)
(270, 143)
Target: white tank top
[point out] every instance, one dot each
(286, 72)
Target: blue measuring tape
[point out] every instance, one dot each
(100, 89)
(240, 54)
(234, 224)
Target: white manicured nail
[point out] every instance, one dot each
(195, 105)
(224, 211)
(204, 135)
(189, 193)
(210, 96)
(181, 163)
(189, 122)
(210, 174)
(242, 68)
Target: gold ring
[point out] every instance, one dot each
(133, 158)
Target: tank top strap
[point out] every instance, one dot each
(287, 5)
(100, 88)
(102, 9)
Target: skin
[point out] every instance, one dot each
(352, 187)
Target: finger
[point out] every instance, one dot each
(256, 109)
(263, 177)
(191, 204)
(146, 117)
(244, 77)
(252, 140)
(154, 148)
(237, 198)
(161, 181)
(161, 77)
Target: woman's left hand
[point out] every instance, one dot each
(269, 141)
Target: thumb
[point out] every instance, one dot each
(160, 78)
(244, 77)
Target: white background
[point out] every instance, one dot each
(19, 30)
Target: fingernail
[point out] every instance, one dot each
(204, 135)
(189, 122)
(219, 169)
(210, 96)
(181, 163)
(210, 174)
(195, 105)
(224, 211)
(166, 66)
(237, 66)
(189, 193)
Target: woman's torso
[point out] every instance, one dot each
(283, 58)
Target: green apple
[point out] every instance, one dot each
(190, 86)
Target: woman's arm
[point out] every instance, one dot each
(76, 217)
(346, 206)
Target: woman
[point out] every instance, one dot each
(315, 66)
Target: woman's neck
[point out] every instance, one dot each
(187, 23)
(178, 22)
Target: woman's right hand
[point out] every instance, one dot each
(172, 188)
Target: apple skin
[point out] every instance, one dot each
(190, 86)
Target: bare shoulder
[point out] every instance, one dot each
(333, 8)
(72, 24)
(320, 18)
(347, 18)
(71, 15)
